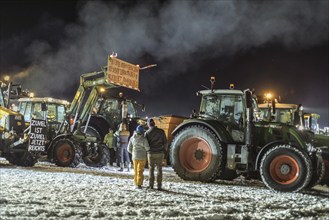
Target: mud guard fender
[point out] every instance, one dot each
(215, 126)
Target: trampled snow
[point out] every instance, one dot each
(49, 192)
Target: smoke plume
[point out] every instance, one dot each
(177, 34)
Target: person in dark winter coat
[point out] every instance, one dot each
(158, 146)
(138, 146)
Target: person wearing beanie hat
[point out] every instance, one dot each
(157, 140)
(138, 146)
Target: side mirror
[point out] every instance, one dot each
(300, 110)
(273, 106)
(44, 107)
(248, 99)
(193, 114)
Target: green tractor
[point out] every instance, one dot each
(294, 115)
(225, 140)
(90, 115)
(106, 114)
(48, 109)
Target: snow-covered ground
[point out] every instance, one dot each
(49, 192)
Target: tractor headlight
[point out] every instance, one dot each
(7, 135)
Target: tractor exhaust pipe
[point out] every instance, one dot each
(250, 115)
(249, 127)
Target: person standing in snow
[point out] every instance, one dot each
(110, 143)
(122, 136)
(138, 146)
(158, 146)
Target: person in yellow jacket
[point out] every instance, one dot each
(110, 143)
(138, 146)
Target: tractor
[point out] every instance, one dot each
(225, 140)
(13, 142)
(294, 115)
(90, 115)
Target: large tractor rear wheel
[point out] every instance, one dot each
(66, 154)
(286, 168)
(197, 154)
(100, 158)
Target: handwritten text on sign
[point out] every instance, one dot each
(38, 135)
(123, 73)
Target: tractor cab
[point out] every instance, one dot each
(227, 107)
(285, 113)
(223, 105)
(50, 109)
(110, 108)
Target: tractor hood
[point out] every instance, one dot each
(266, 132)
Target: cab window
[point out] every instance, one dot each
(60, 113)
(52, 113)
(37, 111)
(131, 110)
(27, 112)
(226, 107)
(22, 108)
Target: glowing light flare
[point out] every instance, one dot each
(102, 90)
(31, 94)
(268, 96)
(6, 78)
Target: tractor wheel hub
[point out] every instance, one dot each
(285, 169)
(199, 154)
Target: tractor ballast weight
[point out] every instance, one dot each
(225, 140)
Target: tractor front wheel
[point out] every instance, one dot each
(66, 154)
(100, 158)
(286, 168)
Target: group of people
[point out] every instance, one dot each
(118, 144)
(145, 146)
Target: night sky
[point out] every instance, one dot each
(277, 46)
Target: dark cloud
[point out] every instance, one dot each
(178, 35)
